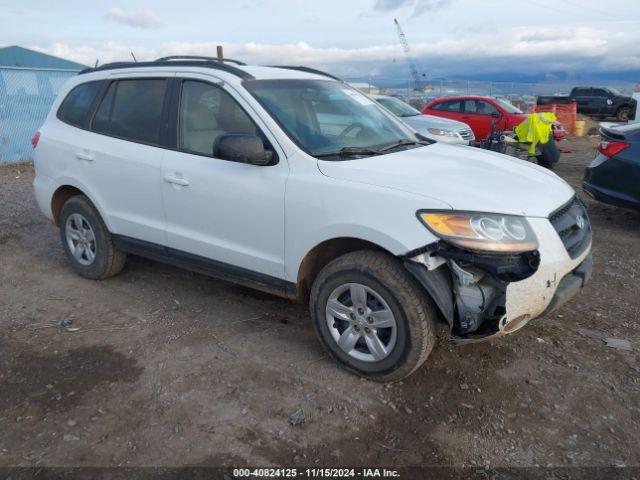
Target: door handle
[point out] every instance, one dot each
(85, 156)
(175, 180)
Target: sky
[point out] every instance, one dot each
(352, 38)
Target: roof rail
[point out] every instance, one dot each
(216, 65)
(198, 57)
(300, 68)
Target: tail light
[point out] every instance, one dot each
(35, 139)
(611, 149)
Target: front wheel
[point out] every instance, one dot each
(372, 316)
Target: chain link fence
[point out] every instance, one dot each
(26, 95)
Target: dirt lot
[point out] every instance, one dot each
(169, 368)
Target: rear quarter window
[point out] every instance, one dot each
(76, 106)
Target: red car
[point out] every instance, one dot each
(479, 112)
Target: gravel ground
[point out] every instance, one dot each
(169, 367)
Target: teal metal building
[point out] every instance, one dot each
(15, 56)
(29, 83)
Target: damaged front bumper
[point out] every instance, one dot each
(484, 296)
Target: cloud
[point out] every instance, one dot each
(134, 18)
(429, 5)
(390, 5)
(524, 50)
(419, 6)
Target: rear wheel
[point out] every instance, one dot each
(544, 163)
(549, 154)
(372, 316)
(622, 115)
(87, 242)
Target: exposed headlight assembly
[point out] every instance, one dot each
(487, 232)
(441, 133)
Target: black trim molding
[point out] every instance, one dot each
(206, 266)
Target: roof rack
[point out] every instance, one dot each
(300, 68)
(162, 62)
(198, 57)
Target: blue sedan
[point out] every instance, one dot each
(614, 175)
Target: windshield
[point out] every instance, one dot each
(507, 106)
(398, 107)
(324, 116)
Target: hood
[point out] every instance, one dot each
(466, 178)
(418, 122)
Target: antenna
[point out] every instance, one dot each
(97, 61)
(220, 53)
(134, 57)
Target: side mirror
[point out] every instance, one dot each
(240, 147)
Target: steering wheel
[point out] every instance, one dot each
(353, 126)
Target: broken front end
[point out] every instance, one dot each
(491, 274)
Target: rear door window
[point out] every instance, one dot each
(77, 104)
(450, 106)
(470, 106)
(132, 109)
(479, 107)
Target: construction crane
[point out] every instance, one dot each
(407, 51)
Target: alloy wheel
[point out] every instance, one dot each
(361, 322)
(80, 239)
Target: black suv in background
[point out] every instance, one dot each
(600, 102)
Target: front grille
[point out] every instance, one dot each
(466, 134)
(572, 224)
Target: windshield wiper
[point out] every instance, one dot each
(348, 152)
(352, 151)
(401, 143)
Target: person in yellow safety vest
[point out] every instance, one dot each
(536, 129)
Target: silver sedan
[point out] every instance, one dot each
(435, 128)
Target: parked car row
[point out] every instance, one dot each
(491, 123)
(481, 112)
(288, 180)
(463, 120)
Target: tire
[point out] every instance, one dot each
(550, 155)
(545, 163)
(622, 115)
(79, 217)
(389, 287)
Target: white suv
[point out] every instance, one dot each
(290, 181)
